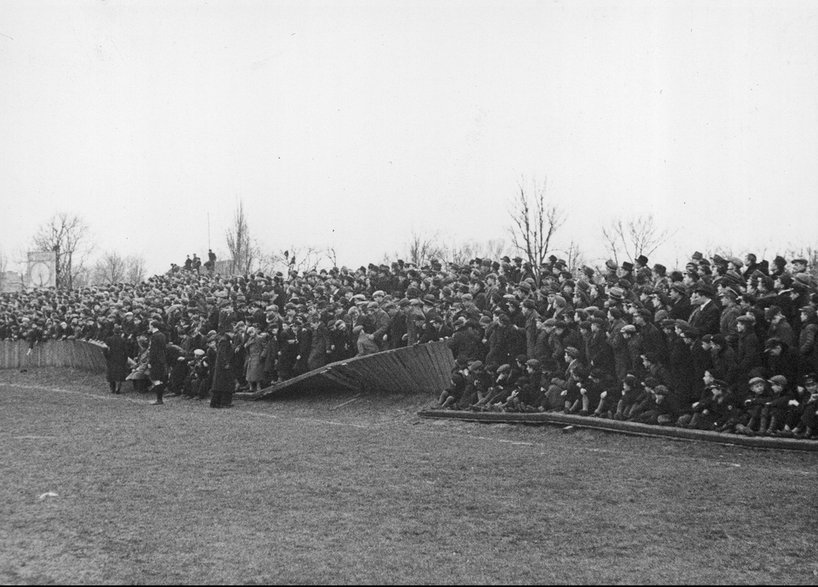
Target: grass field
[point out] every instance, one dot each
(338, 488)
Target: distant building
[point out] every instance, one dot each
(11, 281)
(224, 267)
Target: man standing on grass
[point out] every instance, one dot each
(157, 361)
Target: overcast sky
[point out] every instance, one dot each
(353, 124)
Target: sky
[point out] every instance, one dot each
(353, 125)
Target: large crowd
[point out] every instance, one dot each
(724, 344)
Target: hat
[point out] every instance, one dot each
(690, 331)
(773, 343)
(667, 323)
(697, 256)
(380, 292)
(461, 321)
(550, 322)
(198, 353)
(704, 289)
(799, 260)
(810, 378)
(610, 264)
(755, 380)
(475, 365)
(533, 363)
(529, 303)
(627, 266)
(659, 268)
(778, 380)
(616, 293)
(679, 288)
(746, 319)
(642, 260)
(628, 329)
(572, 352)
(719, 340)
(661, 390)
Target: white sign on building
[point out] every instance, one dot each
(42, 269)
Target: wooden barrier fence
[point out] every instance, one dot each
(78, 354)
(422, 368)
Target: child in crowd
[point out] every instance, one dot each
(632, 395)
(751, 419)
(452, 394)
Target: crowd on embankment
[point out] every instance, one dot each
(722, 344)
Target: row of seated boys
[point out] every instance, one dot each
(772, 407)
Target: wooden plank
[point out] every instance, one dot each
(402, 377)
(415, 363)
(633, 428)
(441, 357)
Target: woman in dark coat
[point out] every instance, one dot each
(157, 359)
(116, 359)
(224, 375)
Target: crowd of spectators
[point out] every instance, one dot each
(724, 344)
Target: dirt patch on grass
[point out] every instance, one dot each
(339, 488)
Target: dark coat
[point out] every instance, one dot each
(116, 358)
(157, 357)
(320, 344)
(706, 318)
(224, 371)
(466, 343)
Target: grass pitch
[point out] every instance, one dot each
(339, 488)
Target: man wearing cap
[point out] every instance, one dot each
(748, 350)
(778, 327)
(808, 341)
(598, 351)
(729, 315)
(532, 317)
(465, 342)
(799, 265)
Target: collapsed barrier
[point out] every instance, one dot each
(76, 354)
(421, 368)
(623, 427)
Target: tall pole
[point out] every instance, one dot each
(208, 229)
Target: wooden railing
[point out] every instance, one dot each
(78, 354)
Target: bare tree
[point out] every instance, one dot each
(4, 261)
(293, 259)
(67, 236)
(574, 257)
(464, 252)
(239, 243)
(332, 256)
(422, 248)
(634, 237)
(135, 269)
(534, 223)
(110, 269)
